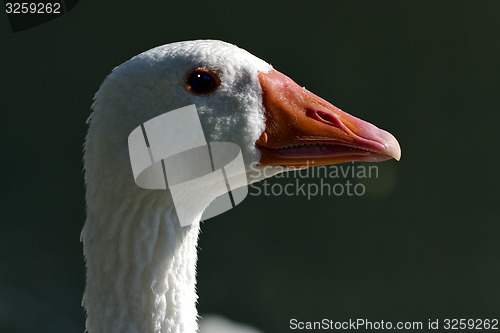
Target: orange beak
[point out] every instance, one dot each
(303, 129)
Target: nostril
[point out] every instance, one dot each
(324, 117)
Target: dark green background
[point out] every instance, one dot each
(422, 243)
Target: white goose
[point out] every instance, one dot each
(141, 264)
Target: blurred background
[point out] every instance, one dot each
(422, 243)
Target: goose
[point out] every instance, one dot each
(140, 263)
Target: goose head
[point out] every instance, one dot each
(140, 261)
(240, 99)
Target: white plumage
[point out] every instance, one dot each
(141, 264)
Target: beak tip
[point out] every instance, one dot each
(393, 148)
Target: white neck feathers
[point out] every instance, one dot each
(141, 268)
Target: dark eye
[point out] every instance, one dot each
(201, 81)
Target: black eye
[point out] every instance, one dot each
(202, 81)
